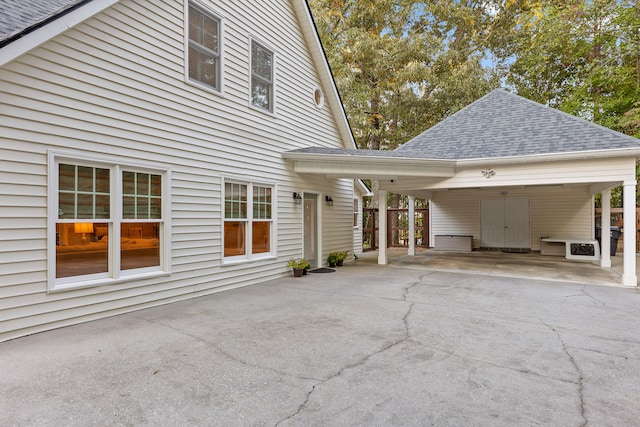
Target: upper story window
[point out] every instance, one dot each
(204, 47)
(262, 67)
(108, 223)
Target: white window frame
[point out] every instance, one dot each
(114, 274)
(356, 212)
(221, 31)
(272, 109)
(249, 255)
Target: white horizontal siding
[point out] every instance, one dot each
(554, 211)
(113, 87)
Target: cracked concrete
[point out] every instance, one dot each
(366, 345)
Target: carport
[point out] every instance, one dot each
(505, 160)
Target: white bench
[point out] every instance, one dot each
(577, 248)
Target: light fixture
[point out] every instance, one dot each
(329, 200)
(488, 173)
(84, 228)
(297, 198)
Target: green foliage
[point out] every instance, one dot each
(397, 65)
(299, 263)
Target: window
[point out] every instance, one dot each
(248, 220)
(262, 64)
(355, 213)
(204, 47)
(109, 222)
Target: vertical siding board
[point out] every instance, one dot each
(114, 86)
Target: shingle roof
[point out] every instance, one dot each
(502, 124)
(21, 16)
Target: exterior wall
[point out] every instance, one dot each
(114, 87)
(586, 172)
(555, 211)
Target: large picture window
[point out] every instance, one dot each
(109, 222)
(262, 65)
(248, 220)
(204, 61)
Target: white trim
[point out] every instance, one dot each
(249, 256)
(310, 34)
(114, 274)
(319, 199)
(318, 104)
(266, 46)
(58, 26)
(221, 23)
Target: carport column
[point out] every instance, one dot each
(629, 277)
(605, 226)
(412, 225)
(383, 259)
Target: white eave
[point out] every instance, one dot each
(552, 157)
(45, 33)
(372, 167)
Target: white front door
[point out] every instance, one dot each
(310, 237)
(505, 223)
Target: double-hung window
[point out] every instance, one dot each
(109, 222)
(248, 220)
(204, 59)
(262, 67)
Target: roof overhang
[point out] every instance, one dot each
(364, 165)
(382, 168)
(57, 26)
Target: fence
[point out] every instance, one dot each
(397, 228)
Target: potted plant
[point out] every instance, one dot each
(342, 255)
(298, 265)
(333, 258)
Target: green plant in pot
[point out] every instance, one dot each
(298, 265)
(342, 256)
(333, 258)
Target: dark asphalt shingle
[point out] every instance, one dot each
(19, 16)
(502, 124)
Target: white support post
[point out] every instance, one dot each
(629, 277)
(383, 258)
(412, 225)
(605, 227)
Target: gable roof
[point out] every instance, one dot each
(502, 124)
(19, 17)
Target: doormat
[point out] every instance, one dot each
(322, 270)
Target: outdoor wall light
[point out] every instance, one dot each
(329, 200)
(297, 198)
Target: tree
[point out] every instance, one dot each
(401, 66)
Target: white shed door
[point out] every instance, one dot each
(505, 223)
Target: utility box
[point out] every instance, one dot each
(446, 242)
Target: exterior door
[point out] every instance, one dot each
(310, 237)
(505, 223)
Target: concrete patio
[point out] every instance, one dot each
(409, 344)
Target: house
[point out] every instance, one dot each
(503, 173)
(141, 153)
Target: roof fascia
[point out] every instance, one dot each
(552, 157)
(45, 33)
(332, 96)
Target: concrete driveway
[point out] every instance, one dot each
(366, 345)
